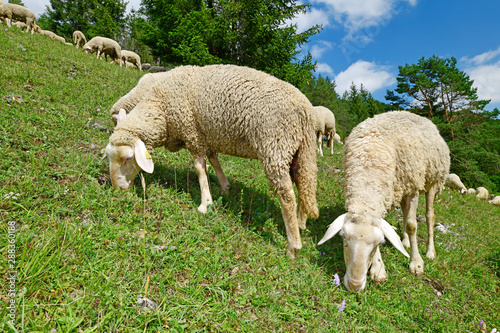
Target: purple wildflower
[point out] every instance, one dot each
(341, 306)
(24, 50)
(336, 279)
(98, 109)
(92, 146)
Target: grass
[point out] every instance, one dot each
(84, 252)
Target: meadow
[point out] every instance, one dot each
(76, 254)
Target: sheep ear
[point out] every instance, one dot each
(121, 115)
(334, 228)
(393, 237)
(142, 157)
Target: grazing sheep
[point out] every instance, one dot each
(471, 191)
(19, 24)
(79, 39)
(230, 110)
(145, 66)
(454, 182)
(389, 159)
(156, 69)
(10, 11)
(106, 46)
(482, 193)
(495, 201)
(132, 58)
(324, 125)
(337, 139)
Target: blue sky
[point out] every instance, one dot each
(364, 41)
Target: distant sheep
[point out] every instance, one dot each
(495, 201)
(389, 159)
(471, 191)
(230, 110)
(145, 66)
(106, 46)
(482, 193)
(337, 139)
(79, 39)
(9, 12)
(324, 125)
(132, 58)
(19, 24)
(453, 181)
(156, 69)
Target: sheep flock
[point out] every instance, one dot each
(389, 159)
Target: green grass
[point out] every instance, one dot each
(82, 258)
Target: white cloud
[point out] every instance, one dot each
(314, 16)
(372, 76)
(324, 68)
(318, 49)
(482, 58)
(487, 81)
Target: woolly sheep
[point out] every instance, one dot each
(495, 201)
(471, 191)
(79, 39)
(19, 24)
(230, 110)
(482, 193)
(156, 69)
(324, 125)
(145, 66)
(389, 159)
(131, 57)
(337, 139)
(104, 45)
(453, 181)
(10, 11)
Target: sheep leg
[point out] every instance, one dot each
(429, 216)
(8, 21)
(288, 210)
(320, 143)
(377, 269)
(224, 184)
(201, 170)
(409, 206)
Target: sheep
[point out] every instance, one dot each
(156, 69)
(389, 159)
(79, 39)
(495, 201)
(104, 45)
(482, 193)
(19, 24)
(231, 110)
(324, 125)
(50, 34)
(454, 182)
(145, 66)
(337, 139)
(471, 191)
(10, 11)
(131, 57)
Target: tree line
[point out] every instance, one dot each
(258, 34)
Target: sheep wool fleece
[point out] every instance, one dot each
(237, 111)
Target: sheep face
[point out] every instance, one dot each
(125, 162)
(362, 234)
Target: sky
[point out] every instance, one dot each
(364, 41)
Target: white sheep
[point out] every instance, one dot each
(495, 201)
(389, 159)
(145, 66)
(482, 193)
(337, 139)
(324, 125)
(471, 191)
(132, 58)
(453, 181)
(79, 39)
(230, 110)
(19, 24)
(10, 11)
(106, 46)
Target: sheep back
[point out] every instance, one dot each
(9, 12)
(394, 154)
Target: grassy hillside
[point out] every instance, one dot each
(84, 252)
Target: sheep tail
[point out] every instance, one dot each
(304, 170)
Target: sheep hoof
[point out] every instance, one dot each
(292, 253)
(225, 189)
(431, 254)
(202, 209)
(417, 267)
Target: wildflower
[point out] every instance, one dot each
(92, 146)
(98, 109)
(24, 50)
(341, 306)
(481, 322)
(336, 279)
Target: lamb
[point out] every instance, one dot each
(337, 139)
(104, 45)
(495, 201)
(79, 39)
(482, 193)
(230, 110)
(19, 24)
(131, 57)
(454, 182)
(10, 11)
(324, 125)
(471, 191)
(389, 159)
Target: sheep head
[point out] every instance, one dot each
(125, 162)
(362, 235)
